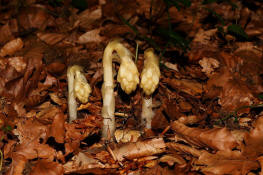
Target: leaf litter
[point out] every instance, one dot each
(208, 111)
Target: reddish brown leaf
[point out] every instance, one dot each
(44, 167)
(57, 128)
(217, 138)
(11, 47)
(188, 86)
(139, 149)
(253, 146)
(56, 67)
(51, 38)
(34, 17)
(18, 164)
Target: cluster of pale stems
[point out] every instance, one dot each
(128, 77)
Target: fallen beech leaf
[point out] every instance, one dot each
(88, 17)
(139, 149)
(159, 120)
(171, 159)
(232, 92)
(18, 164)
(221, 165)
(82, 163)
(223, 162)
(204, 37)
(51, 38)
(80, 129)
(157, 170)
(91, 36)
(188, 86)
(50, 81)
(260, 159)
(56, 67)
(58, 100)
(11, 47)
(5, 33)
(189, 120)
(57, 129)
(253, 146)
(34, 17)
(34, 68)
(46, 115)
(216, 138)
(208, 65)
(126, 135)
(30, 132)
(44, 167)
(18, 63)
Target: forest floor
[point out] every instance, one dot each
(207, 107)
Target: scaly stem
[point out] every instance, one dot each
(147, 112)
(72, 104)
(128, 77)
(149, 81)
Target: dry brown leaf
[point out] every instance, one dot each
(115, 30)
(44, 167)
(215, 164)
(56, 67)
(51, 38)
(233, 93)
(58, 100)
(18, 63)
(216, 138)
(190, 87)
(208, 65)
(127, 135)
(5, 33)
(223, 162)
(88, 17)
(18, 164)
(171, 159)
(80, 129)
(83, 163)
(50, 81)
(91, 36)
(140, 149)
(260, 159)
(30, 133)
(157, 170)
(189, 120)
(57, 129)
(253, 146)
(35, 16)
(11, 47)
(159, 120)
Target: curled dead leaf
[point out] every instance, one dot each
(126, 135)
(44, 167)
(216, 138)
(140, 149)
(11, 47)
(51, 38)
(188, 86)
(91, 36)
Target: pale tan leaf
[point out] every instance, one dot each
(91, 36)
(18, 63)
(126, 135)
(11, 47)
(51, 38)
(140, 149)
(86, 164)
